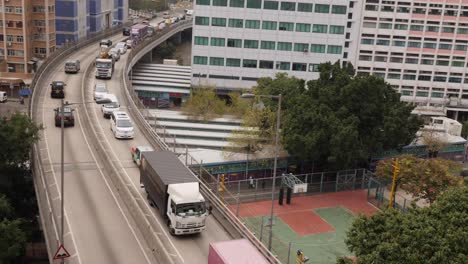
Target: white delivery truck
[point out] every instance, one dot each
(175, 191)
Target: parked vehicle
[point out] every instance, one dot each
(122, 47)
(126, 31)
(72, 66)
(3, 97)
(166, 15)
(100, 90)
(189, 14)
(107, 99)
(115, 53)
(121, 125)
(69, 119)
(108, 109)
(57, 89)
(129, 43)
(137, 151)
(139, 33)
(234, 251)
(174, 190)
(105, 42)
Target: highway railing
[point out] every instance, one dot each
(221, 211)
(49, 208)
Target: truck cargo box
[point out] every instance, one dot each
(239, 251)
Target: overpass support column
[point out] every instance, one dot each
(148, 57)
(177, 38)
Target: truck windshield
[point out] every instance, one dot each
(190, 209)
(103, 65)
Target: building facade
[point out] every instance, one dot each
(418, 46)
(27, 36)
(78, 18)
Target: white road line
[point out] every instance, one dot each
(102, 175)
(163, 228)
(55, 180)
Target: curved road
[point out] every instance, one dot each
(100, 228)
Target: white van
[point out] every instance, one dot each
(3, 97)
(121, 125)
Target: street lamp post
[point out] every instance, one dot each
(62, 182)
(273, 186)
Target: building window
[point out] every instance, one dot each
(455, 80)
(458, 63)
(236, 3)
(409, 77)
(462, 30)
(283, 65)
(385, 25)
(10, 38)
(301, 47)
(234, 43)
(288, 6)
(422, 94)
(269, 25)
(412, 44)
(219, 42)
(369, 24)
(393, 76)
(39, 9)
(334, 49)
(19, 24)
(314, 67)
(399, 43)
(51, 9)
(230, 62)
(286, 26)
(432, 29)
(236, 23)
(401, 26)
(411, 60)
(218, 22)
(383, 42)
(9, 9)
(201, 40)
(429, 45)
(204, 21)
(417, 27)
(269, 45)
(299, 66)
(338, 9)
(202, 60)
(440, 79)
(216, 61)
(203, 2)
(271, 5)
(304, 7)
(317, 48)
(40, 50)
(257, 4)
(448, 30)
(445, 46)
(301, 27)
(249, 63)
(252, 24)
(284, 46)
(322, 8)
(336, 30)
(19, 39)
(250, 44)
(366, 41)
(427, 62)
(437, 95)
(442, 62)
(319, 28)
(18, 9)
(219, 2)
(265, 64)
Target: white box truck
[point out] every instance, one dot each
(175, 191)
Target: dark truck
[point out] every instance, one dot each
(174, 190)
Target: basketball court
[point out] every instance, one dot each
(316, 224)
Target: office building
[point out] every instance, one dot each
(418, 46)
(78, 18)
(27, 37)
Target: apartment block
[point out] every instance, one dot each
(27, 36)
(78, 18)
(419, 46)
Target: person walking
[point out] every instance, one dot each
(251, 183)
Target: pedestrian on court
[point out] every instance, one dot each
(251, 183)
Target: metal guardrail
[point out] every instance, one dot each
(223, 213)
(49, 219)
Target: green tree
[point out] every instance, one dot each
(203, 104)
(423, 178)
(12, 237)
(340, 119)
(165, 50)
(430, 235)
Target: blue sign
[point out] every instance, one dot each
(25, 92)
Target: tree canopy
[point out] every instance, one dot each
(423, 178)
(12, 237)
(430, 235)
(203, 104)
(340, 118)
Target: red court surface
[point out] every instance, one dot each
(306, 223)
(354, 201)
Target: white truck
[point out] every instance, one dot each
(104, 63)
(175, 191)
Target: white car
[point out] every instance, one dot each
(121, 125)
(108, 109)
(122, 47)
(107, 99)
(129, 43)
(115, 53)
(100, 90)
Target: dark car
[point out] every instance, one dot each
(126, 31)
(105, 42)
(69, 119)
(57, 89)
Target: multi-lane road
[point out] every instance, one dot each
(99, 229)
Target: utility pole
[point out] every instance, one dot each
(62, 183)
(396, 170)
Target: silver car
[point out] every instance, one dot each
(122, 47)
(115, 53)
(100, 90)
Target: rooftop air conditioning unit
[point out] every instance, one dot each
(306, 50)
(9, 43)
